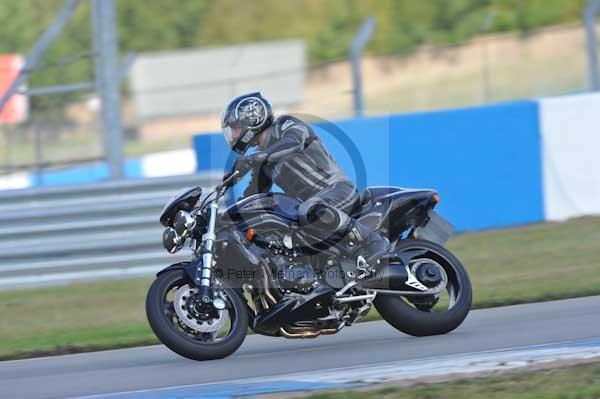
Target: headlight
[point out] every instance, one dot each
(184, 223)
(172, 241)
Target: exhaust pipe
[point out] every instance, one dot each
(388, 277)
(428, 278)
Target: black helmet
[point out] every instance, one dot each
(244, 118)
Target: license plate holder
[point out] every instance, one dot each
(437, 229)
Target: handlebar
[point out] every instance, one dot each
(248, 163)
(226, 183)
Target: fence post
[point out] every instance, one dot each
(361, 39)
(589, 18)
(38, 154)
(108, 82)
(487, 78)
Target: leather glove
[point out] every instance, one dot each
(244, 164)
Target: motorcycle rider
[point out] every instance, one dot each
(293, 157)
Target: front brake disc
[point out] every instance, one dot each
(205, 326)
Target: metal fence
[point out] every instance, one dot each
(488, 69)
(66, 124)
(70, 122)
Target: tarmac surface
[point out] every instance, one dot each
(146, 369)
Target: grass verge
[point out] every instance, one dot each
(510, 266)
(575, 382)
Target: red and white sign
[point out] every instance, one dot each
(16, 109)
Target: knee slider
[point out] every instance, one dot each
(318, 214)
(323, 216)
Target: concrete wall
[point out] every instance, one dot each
(485, 162)
(169, 163)
(184, 82)
(494, 166)
(571, 155)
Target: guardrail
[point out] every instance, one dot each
(109, 230)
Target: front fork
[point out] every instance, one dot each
(204, 269)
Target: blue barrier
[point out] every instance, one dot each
(484, 161)
(213, 154)
(212, 151)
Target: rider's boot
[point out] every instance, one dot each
(364, 242)
(357, 240)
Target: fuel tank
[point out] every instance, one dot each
(277, 207)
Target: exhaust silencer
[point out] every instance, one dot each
(428, 278)
(388, 277)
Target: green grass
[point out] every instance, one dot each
(509, 266)
(576, 382)
(75, 318)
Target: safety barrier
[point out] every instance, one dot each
(494, 166)
(169, 163)
(57, 235)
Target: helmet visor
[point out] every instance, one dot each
(232, 134)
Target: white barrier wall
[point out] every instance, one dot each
(541, 156)
(14, 181)
(170, 163)
(570, 129)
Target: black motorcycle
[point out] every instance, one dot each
(255, 267)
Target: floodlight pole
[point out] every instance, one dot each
(361, 39)
(589, 18)
(108, 79)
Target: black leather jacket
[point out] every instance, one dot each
(297, 162)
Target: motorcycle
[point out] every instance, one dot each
(255, 267)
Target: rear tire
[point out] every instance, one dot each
(182, 343)
(396, 311)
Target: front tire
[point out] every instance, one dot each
(420, 322)
(182, 339)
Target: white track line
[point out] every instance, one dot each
(504, 359)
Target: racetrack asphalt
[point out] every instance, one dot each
(153, 367)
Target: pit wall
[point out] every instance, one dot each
(494, 166)
(168, 163)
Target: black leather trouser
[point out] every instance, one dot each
(326, 216)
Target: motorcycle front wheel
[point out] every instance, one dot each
(434, 315)
(179, 321)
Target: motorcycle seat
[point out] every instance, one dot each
(377, 203)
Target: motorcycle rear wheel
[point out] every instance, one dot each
(166, 322)
(418, 321)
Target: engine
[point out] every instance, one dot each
(294, 274)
